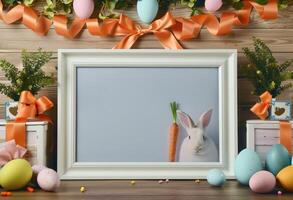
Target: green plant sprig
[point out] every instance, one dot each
(31, 77)
(264, 71)
(50, 8)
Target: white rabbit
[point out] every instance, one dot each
(197, 146)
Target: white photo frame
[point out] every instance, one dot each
(69, 60)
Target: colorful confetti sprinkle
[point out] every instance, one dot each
(30, 189)
(6, 194)
(132, 183)
(82, 189)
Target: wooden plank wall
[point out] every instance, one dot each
(278, 34)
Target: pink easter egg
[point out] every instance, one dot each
(38, 168)
(213, 5)
(262, 182)
(48, 180)
(83, 8)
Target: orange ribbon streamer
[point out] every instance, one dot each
(286, 135)
(30, 18)
(261, 108)
(28, 108)
(168, 30)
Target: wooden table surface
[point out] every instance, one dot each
(177, 190)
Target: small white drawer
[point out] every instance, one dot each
(36, 140)
(262, 134)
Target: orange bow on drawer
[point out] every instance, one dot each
(261, 109)
(28, 108)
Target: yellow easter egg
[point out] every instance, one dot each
(15, 174)
(285, 178)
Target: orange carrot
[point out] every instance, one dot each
(173, 132)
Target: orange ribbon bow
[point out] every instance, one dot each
(261, 108)
(160, 28)
(28, 108)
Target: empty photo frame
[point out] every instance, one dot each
(114, 114)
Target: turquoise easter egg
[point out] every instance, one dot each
(147, 10)
(216, 177)
(247, 163)
(277, 158)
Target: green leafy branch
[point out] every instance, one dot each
(31, 77)
(50, 8)
(108, 7)
(264, 71)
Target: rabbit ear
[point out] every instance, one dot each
(184, 119)
(205, 118)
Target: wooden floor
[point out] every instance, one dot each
(176, 190)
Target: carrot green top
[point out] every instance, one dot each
(174, 107)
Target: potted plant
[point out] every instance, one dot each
(31, 78)
(265, 72)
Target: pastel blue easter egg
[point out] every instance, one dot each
(292, 161)
(247, 163)
(147, 10)
(277, 158)
(216, 177)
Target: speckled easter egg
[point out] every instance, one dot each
(15, 174)
(213, 5)
(83, 8)
(147, 10)
(277, 158)
(48, 180)
(216, 177)
(262, 182)
(36, 170)
(285, 178)
(247, 163)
